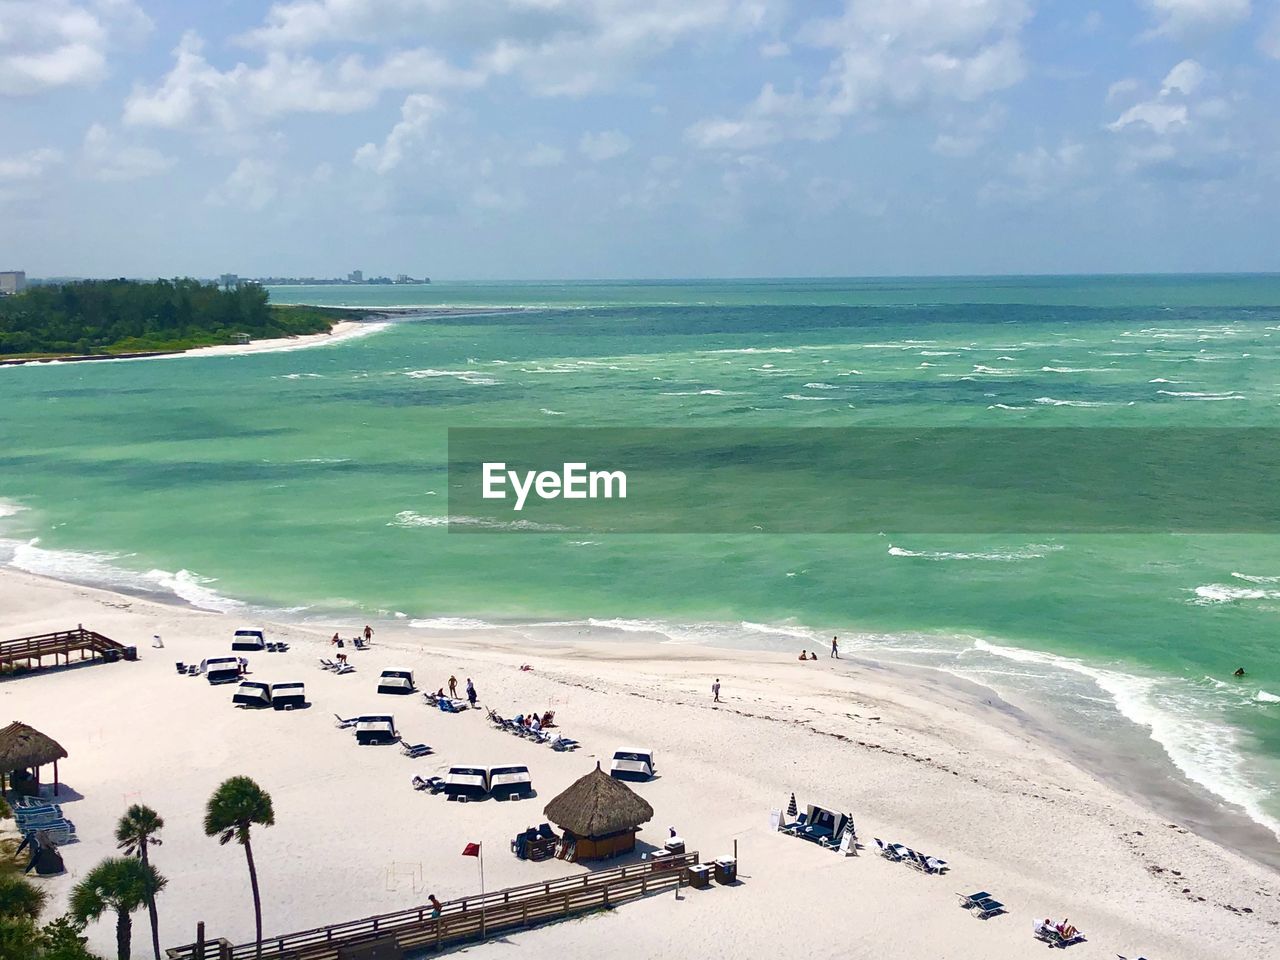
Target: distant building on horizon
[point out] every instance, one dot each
(12, 281)
(356, 276)
(229, 280)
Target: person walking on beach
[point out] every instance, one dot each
(835, 647)
(715, 691)
(436, 906)
(368, 633)
(471, 693)
(453, 688)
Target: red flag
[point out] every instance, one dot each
(471, 850)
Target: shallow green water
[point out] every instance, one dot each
(314, 479)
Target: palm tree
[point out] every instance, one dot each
(122, 884)
(234, 806)
(135, 832)
(19, 897)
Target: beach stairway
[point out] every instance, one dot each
(465, 920)
(30, 652)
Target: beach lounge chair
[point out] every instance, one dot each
(561, 744)
(414, 751)
(934, 865)
(430, 784)
(193, 670)
(344, 668)
(793, 828)
(326, 664)
(451, 706)
(343, 724)
(1055, 938)
(982, 903)
(182, 667)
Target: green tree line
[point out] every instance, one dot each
(126, 316)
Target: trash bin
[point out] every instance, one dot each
(131, 653)
(700, 876)
(674, 845)
(726, 870)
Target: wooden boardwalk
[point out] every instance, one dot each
(30, 652)
(467, 919)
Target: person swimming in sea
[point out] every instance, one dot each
(1239, 672)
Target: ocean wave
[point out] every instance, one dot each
(801, 396)
(1263, 697)
(1196, 395)
(939, 353)
(1077, 370)
(9, 509)
(1032, 551)
(1212, 594)
(450, 623)
(410, 519)
(1177, 717)
(753, 350)
(551, 413)
(474, 377)
(105, 570)
(994, 371)
(1052, 402)
(300, 376)
(324, 460)
(1248, 578)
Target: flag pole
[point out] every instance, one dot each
(483, 931)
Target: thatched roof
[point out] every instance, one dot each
(598, 805)
(22, 746)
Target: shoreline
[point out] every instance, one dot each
(917, 759)
(1145, 775)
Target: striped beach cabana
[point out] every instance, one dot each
(599, 815)
(24, 748)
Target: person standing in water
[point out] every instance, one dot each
(835, 647)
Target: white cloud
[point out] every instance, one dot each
(106, 159)
(543, 155)
(555, 47)
(30, 165)
(1269, 39)
(1185, 78)
(604, 145)
(1123, 88)
(45, 44)
(196, 95)
(252, 184)
(1168, 110)
(1033, 175)
(416, 114)
(890, 55)
(1181, 17)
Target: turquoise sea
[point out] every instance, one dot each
(311, 481)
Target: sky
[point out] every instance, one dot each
(526, 139)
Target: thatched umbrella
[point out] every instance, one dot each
(23, 747)
(599, 814)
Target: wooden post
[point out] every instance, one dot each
(57, 788)
(200, 940)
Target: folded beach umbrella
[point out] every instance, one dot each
(792, 809)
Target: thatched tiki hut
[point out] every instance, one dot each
(599, 815)
(24, 749)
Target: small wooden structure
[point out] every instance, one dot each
(30, 652)
(25, 748)
(599, 815)
(465, 920)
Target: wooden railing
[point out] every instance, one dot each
(466, 919)
(63, 643)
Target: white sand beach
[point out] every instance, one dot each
(913, 760)
(342, 330)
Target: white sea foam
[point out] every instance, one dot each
(754, 350)
(1006, 406)
(1196, 395)
(1178, 718)
(1211, 594)
(8, 509)
(474, 377)
(994, 371)
(450, 623)
(551, 413)
(1051, 402)
(821, 386)
(107, 570)
(801, 396)
(1077, 370)
(1249, 578)
(1263, 697)
(409, 519)
(1032, 551)
(1163, 380)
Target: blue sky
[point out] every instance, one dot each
(666, 138)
